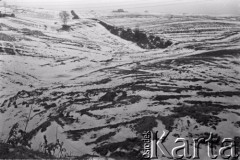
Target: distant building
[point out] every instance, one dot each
(119, 10)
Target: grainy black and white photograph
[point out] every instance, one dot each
(120, 79)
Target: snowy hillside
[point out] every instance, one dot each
(97, 92)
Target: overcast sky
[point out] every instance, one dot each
(213, 7)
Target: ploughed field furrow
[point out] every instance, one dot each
(127, 101)
(198, 32)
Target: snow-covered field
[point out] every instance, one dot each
(97, 93)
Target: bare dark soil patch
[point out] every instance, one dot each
(128, 149)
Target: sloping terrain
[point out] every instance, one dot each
(9, 152)
(97, 93)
